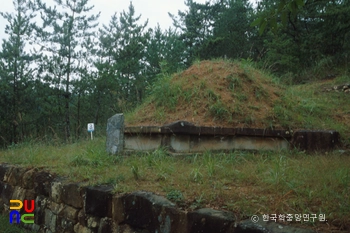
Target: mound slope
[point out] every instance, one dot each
(212, 93)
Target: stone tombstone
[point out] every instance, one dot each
(115, 134)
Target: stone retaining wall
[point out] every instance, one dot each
(69, 207)
(183, 137)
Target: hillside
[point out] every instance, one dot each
(212, 93)
(235, 94)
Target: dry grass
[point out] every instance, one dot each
(211, 93)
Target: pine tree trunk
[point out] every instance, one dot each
(67, 95)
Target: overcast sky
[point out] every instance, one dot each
(156, 11)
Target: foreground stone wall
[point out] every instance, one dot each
(70, 207)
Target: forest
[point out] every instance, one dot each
(60, 69)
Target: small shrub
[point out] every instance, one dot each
(198, 202)
(219, 111)
(120, 188)
(196, 175)
(175, 196)
(259, 93)
(161, 176)
(160, 115)
(160, 153)
(211, 95)
(164, 93)
(210, 164)
(233, 82)
(241, 97)
(135, 170)
(249, 120)
(116, 180)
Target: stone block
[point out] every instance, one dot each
(39, 211)
(3, 170)
(30, 194)
(82, 219)
(56, 191)
(107, 226)
(41, 202)
(50, 220)
(2, 186)
(315, 140)
(210, 220)
(6, 209)
(42, 183)
(55, 207)
(115, 134)
(125, 228)
(93, 222)
(98, 201)
(118, 214)
(18, 193)
(2, 206)
(154, 213)
(28, 179)
(33, 227)
(82, 229)
(72, 194)
(39, 216)
(64, 225)
(70, 213)
(247, 226)
(14, 175)
(6, 193)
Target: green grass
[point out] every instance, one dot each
(219, 111)
(308, 107)
(244, 182)
(164, 94)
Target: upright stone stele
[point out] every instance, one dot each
(115, 134)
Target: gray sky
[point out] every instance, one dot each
(156, 11)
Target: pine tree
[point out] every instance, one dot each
(196, 25)
(310, 36)
(232, 32)
(122, 64)
(108, 93)
(165, 52)
(122, 61)
(65, 36)
(131, 55)
(16, 74)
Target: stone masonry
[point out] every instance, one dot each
(70, 207)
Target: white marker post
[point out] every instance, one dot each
(91, 128)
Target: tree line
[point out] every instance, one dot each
(60, 69)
